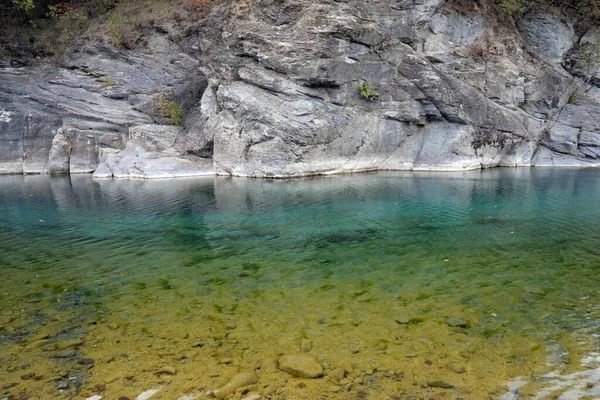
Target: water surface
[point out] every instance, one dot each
(405, 281)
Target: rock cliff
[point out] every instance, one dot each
(269, 89)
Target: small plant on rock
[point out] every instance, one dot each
(65, 12)
(573, 98)
(116, 29)
(108, 82)
(366, 92)
(479, 51)
(169, 109)
(511, 7)
(201, 8)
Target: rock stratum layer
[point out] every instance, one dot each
(270, 90)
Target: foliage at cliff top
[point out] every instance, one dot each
(40, 28)
(585, 10)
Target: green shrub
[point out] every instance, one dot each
(70, 21)
(573, 98)
(17, 11)
(366, 92)
(170, 111)
(589, 60)
(586, 11)
(63, 12)
(116, 29)
(25, 6)
(511, 7)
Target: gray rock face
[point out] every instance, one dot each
(12, 135)
(37, 141)
(562, 138)
(61, 120)
(447, 30)
(504, 83)
(549, 36)
(306, 121)
(458, 29)
(573, 140)
(150, 153)
(278, 96)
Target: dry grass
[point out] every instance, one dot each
(466, 6)
(479, 51)
(126, 23)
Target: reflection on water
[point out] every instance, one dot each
(399, 284)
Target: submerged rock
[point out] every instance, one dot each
(337, 374)
(440, 383)
(65, 354)
(237, 381)
(456, 367)
(252, 396)
(306, 345)
(69, 343)
(535, 290)
(454, 322)
(301, 365)
(268, 366)
(167, 369)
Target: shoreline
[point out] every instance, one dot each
(292, 177)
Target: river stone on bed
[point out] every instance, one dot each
(301, 365)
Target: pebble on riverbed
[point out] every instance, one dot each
(167, 370)
(65, 354)
(269, 366)
(86, 361)
(535, 290)
(301, 365)
(237, 381)
(456, 367)
(337, 374)
(454, 322)
(306, 345)
(69, 343)
(440, 383)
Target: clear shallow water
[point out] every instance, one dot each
(368, 272)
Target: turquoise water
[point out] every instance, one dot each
(350, 263)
